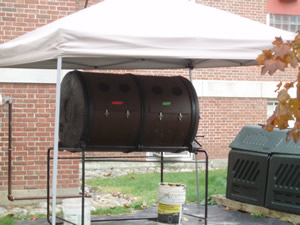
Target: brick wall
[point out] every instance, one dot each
(32, 134)
(254, 9)
(222, 119)
(33, 109)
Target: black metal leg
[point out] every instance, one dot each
(83, 186)
(83, 158)
(206, 185)
(161, 167)
(48, 186)
(197, 178)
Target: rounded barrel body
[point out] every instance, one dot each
(127, 110)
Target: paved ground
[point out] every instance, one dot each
(216, 216)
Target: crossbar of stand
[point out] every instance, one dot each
(122, 159)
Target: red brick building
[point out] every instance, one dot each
(229, 98)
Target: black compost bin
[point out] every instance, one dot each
(127, 111)
(248, 165)
(283, 188)
(264, 169)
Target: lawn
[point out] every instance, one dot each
(145, 186)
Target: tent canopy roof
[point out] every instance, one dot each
(142, 34)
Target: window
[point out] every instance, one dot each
(285, 22)
(271, 107)
(179, 156)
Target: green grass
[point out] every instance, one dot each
(145, 186)
(111, 211)
(7, 220)
(10, 220)
(257, 214)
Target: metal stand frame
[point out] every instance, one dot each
(84, 159)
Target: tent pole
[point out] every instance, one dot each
(55, 156)
(191, 74)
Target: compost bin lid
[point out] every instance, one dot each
(256, 139)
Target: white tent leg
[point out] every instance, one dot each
(55, 156)
(191, 74)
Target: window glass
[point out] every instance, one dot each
(285, 22)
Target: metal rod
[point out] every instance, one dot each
(123, 219)
(200, 217)
(48, 190)
(161, 167)
(122, 148)
(56, 139)
(206, 182)
(65, 221)
(48, 185)
(191, 74)
(82, 187)
(148, 161)
(197, 178)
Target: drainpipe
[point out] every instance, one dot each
(8, 100)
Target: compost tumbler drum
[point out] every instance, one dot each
(127, 110)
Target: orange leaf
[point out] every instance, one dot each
(266, 54)
(278, 86)
(278, 41)
(226, 208)
(126, 206)
(294, 106)
(271, 65)
(33, 218)
(282, 50)
(291, 59)
(270, 123)
(287, 86)
(283, 96)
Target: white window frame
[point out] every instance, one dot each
(185, 155)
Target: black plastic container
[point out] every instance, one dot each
(127, 110)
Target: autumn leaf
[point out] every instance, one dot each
(282, 50)
(267, 54)
(271, 66)
(292, 60)
(126, 206)
(226, 208)
(33, 218)
(270, 125)
(278, 41)
(294, 107)
(295, 132)
(287, 86)
(184, 219)
(283, 55)
(278, 86)
(283, 96)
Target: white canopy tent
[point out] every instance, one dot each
(155, 34)
(139, 34)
